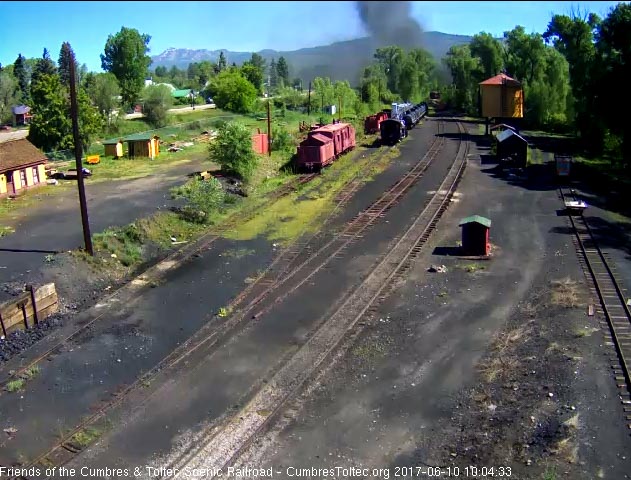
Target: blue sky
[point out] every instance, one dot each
(28, 27)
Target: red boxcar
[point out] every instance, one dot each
(315, 152)
(342, 134)
(372, 122)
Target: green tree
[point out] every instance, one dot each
(465, 71)
(258, 61)
(489, 50)
(103, 91)
(573, 35)
(51, 126)
(391, 60)
(323, 92)
(524, 54)
(282, 72)
(157, 101)
(232, 91)
(614, 47)
(232, 149)
(273, 76)
(9, 95)
(22, 77)
(126, 57)
(161, 72)
(65, 55)
(254, 75)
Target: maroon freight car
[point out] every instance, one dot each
(325, 144)
(315, 152)
(372, 122)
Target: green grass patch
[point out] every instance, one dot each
(85, 437)
(30, 372)
(472, 267)
(5, 231)
(302, 212)
(15, 385)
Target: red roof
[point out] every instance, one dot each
(501, 79)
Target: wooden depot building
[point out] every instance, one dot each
(21, 166)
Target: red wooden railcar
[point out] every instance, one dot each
(325, 144)
(372, 122)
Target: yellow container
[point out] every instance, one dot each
(93, 159)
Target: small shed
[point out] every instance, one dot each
(259, 142)
(21, 115)
(143, 145)
(512, 145)
(330, 109)
(475, 235)
(113, 147)
(182, 93)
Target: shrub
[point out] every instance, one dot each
(203, 197)
(158, 100)
(282, 140)
(232, 149)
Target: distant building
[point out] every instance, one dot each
(501, 97)
(148, 82)
(183, 93)
(21, 115)
(21, 166)
(142, 145)
(113, 147)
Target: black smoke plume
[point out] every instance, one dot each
(390, 23)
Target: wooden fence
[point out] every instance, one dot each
(29, 308)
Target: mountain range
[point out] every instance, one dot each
(339, 61)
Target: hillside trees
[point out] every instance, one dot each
(222, 63)
(126, 57)
(273, 76)
(465, 72)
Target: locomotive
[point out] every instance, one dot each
(403, 117)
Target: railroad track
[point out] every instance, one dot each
(203, 244)
(67, 447)
(220, 445)
(612, 300)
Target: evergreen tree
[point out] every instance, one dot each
(282, 71)
(273, 75)
(65, 55)
(222, 63)
(21, 75)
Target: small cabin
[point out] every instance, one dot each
(512, 145)
(113, 147)
(501, 97)
(475, 235)
(143, 145)
(21, 115)
(21, 166)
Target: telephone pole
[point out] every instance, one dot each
(309, 103)
(87, 237)
(269, 130)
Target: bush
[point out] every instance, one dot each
(158, 100)
(232, 149)
(203, 197)
(282, 140)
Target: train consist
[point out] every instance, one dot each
(324, 144)
(403, 117)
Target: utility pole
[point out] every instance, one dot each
(309, 103)
(339, 114)
(269, 131)
(77, 153)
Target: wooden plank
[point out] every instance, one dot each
(44, 291)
